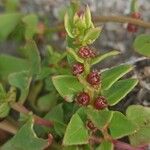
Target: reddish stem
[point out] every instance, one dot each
(124, 146)
(119, 145)
(38, 120)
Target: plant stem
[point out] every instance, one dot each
(124, 146)
(118, 144)
(38, 120)
(105, 19)
(122, 19)
(8, 126)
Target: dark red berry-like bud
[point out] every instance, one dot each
(62, 34)
(132, 28)
(100, 102)
(83, 98)
(93, 78)
(90, 125)
(136, 15)
(77, 68)
(86, 52)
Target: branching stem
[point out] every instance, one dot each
(38, 120)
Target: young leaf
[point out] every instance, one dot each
(75, 56)
(25, 139)
(119, 90)
(110, 76)
(8, 24)
(76, 133)
(67, 86)
(91, 35)
(88, 17)
(22, 81)
(31, 22)
(10, 64)
(99, 118)
(120, 126)
(103, 56)
(105, 145)
(142, 121)
(32, 54)
(142, 44)
(68, 25)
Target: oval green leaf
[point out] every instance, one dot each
(120, 126)
(142, 44)
(110, 76)
(67, 86)
(142, 121)
(119, 90)
(76, 132)
(103, 56)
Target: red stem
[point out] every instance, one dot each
(124, 146)
(38, 120)
(119, 145)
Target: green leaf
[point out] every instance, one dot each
(31, 22)
(105, 145)
(4, 106)
(74, 55)
(32, 54)
(67, 86)
(76, 133)
(119, 90)
(4, 109)
(47, 102)
(88, 19)
(142, 44)
(110, 76)
(25, 139)
(99, 118)
(68, 25)
(142, 121)
(120, 126)
(10, 64)
(8, 24)
(91, 35)
(22, 81)
(57, 116)
(103, 56)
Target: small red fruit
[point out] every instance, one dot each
(77, 69)
(93, 78)
(100, 103)
(90, 125)
(132, 28)
(86, 52)
(83, 98)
